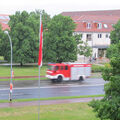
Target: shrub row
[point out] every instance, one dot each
(97, 68)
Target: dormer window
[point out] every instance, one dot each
(84, 24)
(95, 24)
(88, 25)
(99, 25)
(105, 25)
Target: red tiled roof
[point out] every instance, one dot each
(81, 28)
(4, 26)
(94, 19)
(103, 18)
(108, 17)
(98, 12)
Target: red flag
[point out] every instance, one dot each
(40, 46)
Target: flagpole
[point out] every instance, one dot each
(39, 75)
(39, 95)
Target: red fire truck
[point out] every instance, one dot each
(68, 71)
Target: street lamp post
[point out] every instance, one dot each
(11, 85)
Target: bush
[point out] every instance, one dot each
(97, 68)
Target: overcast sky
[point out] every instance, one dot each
(54, 7)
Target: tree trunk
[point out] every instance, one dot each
(21, 64)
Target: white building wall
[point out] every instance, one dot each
(95, 41)
(84, 38)
(103, 41)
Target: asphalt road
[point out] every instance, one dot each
(48, 89)
(34, 83)
(22, 93)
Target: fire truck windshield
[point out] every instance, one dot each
(50, 67)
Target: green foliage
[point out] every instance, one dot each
(82, 47)
(59, 43)
(113, 50)
(97, 68)
(4, 44)
(25, 36)
(115, 34)
(109, 106)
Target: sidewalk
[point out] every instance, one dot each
(47, 102)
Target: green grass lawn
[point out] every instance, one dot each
(73, 111)
(22, 71)
(5, 71)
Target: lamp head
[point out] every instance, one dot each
(6, 32)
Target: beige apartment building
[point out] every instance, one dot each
(95, 28)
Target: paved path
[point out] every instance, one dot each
(48, 102)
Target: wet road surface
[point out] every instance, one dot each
(34, 83)
(29, 89)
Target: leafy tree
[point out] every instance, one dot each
(109, 106)
(115, 39)
(1, 37)
(112, 51)
(115, 34)
(82, 47)
(4, 44)
(25, 35)
(59, 43)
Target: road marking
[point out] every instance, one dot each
(73, 86)
(66, 86)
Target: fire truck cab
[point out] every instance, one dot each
(68, 71)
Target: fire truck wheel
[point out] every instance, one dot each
(59, 79)
(81, 78)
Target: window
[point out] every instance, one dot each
(99, 35)
(105, 25)
(66, 67)
(57, 68)
(99, 25)
(88, 25)
(50, 67)
(89, 37)
(61, 67)
(107, 35)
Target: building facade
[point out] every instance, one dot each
(4, 19)
(95, 28)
